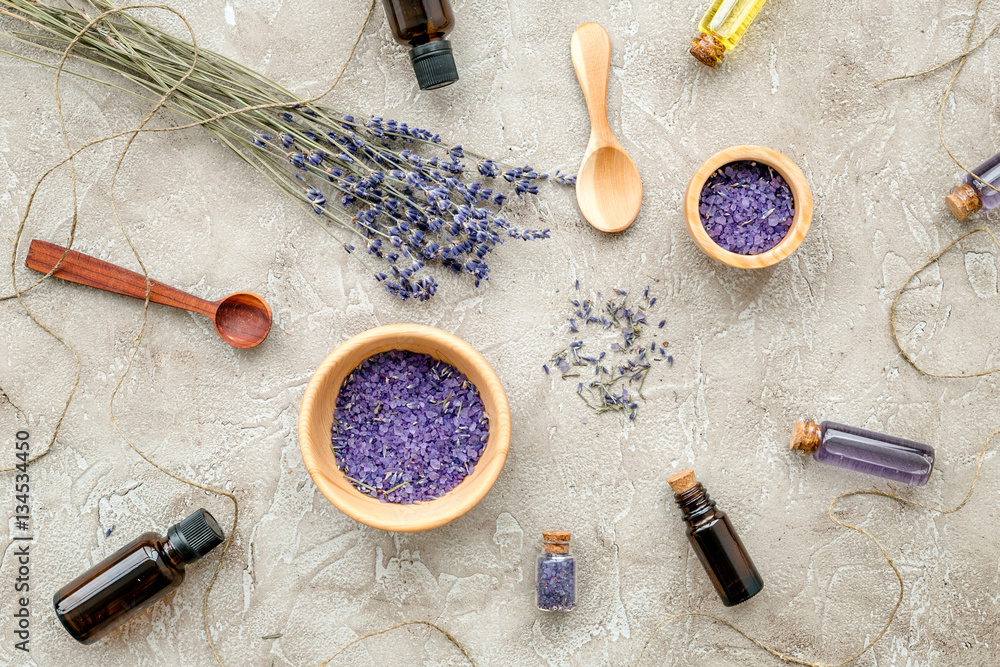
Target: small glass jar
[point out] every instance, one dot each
(556, 573)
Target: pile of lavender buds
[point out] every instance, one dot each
(407, 427)
(629, 363)
(746, 207)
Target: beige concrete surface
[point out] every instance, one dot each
(754, 350)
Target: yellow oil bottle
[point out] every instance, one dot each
(721, 28)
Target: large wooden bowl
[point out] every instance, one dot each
(316, 420)
(801, 195)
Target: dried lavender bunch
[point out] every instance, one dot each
(411, 201)
(623, 365)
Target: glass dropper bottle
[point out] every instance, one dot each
(423, 25)
(134, 577)
(974, 193)
(865, 451)
(721, 28)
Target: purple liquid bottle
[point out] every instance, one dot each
(972, 195)
(872, 453)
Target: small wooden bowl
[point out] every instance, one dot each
(801, 196)
(320, 401)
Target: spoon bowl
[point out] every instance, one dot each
(608, 189)
(242, 319)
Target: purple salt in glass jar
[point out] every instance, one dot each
(407, 427)
(746, 207)
(556, 573)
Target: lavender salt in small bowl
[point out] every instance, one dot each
(421, 503)
(408, 427)
(748, 207)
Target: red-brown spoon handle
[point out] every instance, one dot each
(77, 267)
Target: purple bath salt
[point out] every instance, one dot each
(408, 427)
(746, 207)
(556, 573)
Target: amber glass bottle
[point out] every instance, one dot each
(423, 26)
(134, 577)
(717, 545)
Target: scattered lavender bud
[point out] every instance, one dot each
(611, 377)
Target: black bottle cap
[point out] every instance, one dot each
(434, 65)
(195, 536)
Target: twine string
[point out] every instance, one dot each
(18, 293)
(141, 128)
(899, 293)
(961, 60)
(383, 631)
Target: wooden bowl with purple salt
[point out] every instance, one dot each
(748, 207)
(404, 427)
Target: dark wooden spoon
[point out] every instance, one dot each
(242, 319)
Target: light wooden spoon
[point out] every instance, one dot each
(608, 187)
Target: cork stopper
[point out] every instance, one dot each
(708, 49)
(963, 200)
(805, 437)
(556, 541)
(682, 481)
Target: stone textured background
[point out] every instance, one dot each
(754, 351)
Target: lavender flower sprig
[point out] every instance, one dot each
(411, 201)
(408, 209)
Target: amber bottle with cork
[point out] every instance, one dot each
(134, 577)
(715, 542)
(423, 25)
